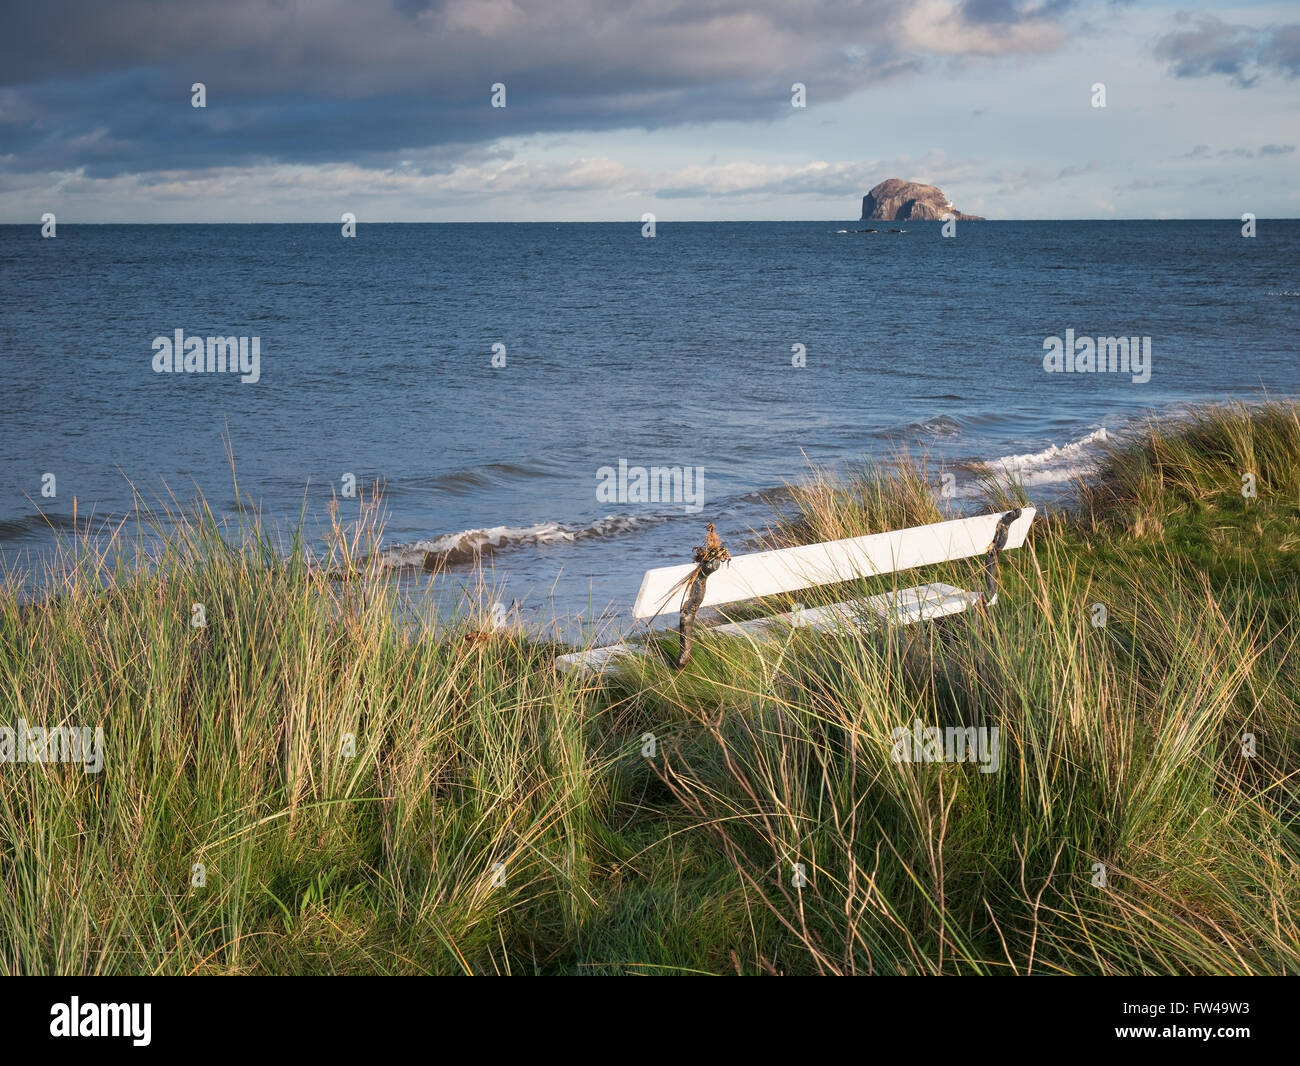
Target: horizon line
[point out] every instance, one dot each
(638, 222)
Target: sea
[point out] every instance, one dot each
(555, 408)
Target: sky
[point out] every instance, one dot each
(683, 109)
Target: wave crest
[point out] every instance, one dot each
(1055, 463)
(470, 545)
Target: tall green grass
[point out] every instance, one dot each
(467, 800)
(496, 816)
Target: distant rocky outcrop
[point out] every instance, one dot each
(894, 200)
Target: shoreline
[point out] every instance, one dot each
(453, 556)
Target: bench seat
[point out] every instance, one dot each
(900, 607)
(785, 571)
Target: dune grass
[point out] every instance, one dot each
(304, 784)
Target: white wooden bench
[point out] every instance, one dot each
(789, 570)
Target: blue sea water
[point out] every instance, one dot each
(376, 359)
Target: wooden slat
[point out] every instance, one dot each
(599, 660)
(901, 607)
(792, 569)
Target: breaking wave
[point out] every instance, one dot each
(470, 545)
(1054, 463)
(939, 426)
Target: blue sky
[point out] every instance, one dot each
(681, 108)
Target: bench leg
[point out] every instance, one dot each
(686, 621)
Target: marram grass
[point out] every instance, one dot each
(308, 784)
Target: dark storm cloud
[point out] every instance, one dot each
(107, 85)
(1209, 46)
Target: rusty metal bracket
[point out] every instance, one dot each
(990, 594)
(708, 559)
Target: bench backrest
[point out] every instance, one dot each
(791, 569)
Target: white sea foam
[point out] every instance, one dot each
(470, 544)
(1055, 463)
